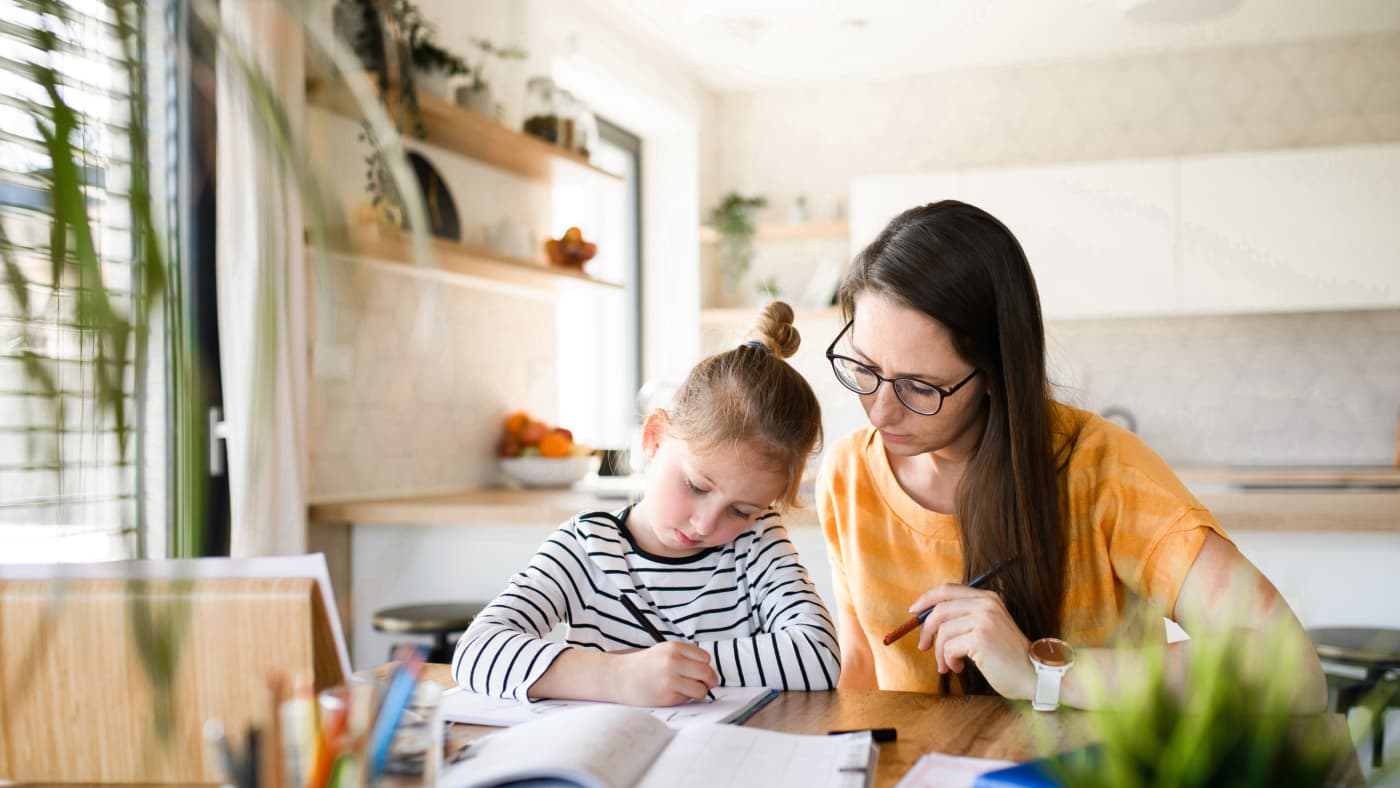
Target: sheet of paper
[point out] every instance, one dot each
(282, 566)
(728, 756)
(459, 705)
(936, 770)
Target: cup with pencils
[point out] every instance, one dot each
(343, 736)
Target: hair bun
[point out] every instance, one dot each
(775, 330)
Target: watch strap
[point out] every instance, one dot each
(1047, 688)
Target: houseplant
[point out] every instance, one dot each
(733, 220)
(1231, 722)
(476, 95)
(114, 312)
(393, 40)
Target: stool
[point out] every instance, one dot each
(443, 621)
(1377, 651)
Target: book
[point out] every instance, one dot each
(609, 746)
(731, 704)
(1039, 773)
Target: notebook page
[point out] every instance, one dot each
(459, 705)
(595, 746)
(715, 756)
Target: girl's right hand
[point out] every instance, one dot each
(667, 674)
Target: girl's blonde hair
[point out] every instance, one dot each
(749, 398)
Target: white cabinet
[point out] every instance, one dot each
(1277, 231)
(1098, 236)
(1291, 231)
(876, 200)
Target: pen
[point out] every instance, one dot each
(214, 734)
(646, 625)
(914, 621)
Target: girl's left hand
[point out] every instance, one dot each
(969, 623)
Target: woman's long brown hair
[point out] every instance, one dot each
(960, 266)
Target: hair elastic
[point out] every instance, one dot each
(755, 343)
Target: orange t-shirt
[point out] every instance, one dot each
(1134, 530)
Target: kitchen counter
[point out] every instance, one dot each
(1251, 499)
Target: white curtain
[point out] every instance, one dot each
(261, 281)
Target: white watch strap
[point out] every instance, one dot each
(1047, 688)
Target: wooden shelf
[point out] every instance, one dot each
(458, 260)
(472, 135)
(807, 231)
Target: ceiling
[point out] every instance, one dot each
(733, 45)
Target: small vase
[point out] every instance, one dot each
(478, 100)
(374, 224)
(431, 82)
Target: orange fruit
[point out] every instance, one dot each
(515, 422)
(554, 444)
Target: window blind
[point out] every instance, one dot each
(67, 490)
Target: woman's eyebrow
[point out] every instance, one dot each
(864, 359)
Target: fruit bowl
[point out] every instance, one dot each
(547, 471)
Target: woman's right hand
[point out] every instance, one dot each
(667, 674)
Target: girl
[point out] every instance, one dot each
(968, 463)
(703, 557)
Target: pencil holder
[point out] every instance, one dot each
(416, 750)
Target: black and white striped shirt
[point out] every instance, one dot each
(748, 603)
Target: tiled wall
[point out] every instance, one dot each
(1286, 389)
(1289, 389)
(435, 367)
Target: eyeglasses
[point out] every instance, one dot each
(923, 398)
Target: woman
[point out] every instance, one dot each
(968, 463)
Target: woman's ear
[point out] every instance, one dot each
(653, 430)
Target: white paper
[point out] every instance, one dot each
(469, 707)
(716, 756)
(278, 567)
(937, 770)
(617, 746)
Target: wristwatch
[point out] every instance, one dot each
(1051, 658)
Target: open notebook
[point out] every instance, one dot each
(731, 704)
(606, 746)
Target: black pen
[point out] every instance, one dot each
(647, 625)
(914, 621)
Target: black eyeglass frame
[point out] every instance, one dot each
(943, 393)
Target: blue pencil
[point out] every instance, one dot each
(396, 699)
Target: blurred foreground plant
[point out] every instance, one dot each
(1230, 723)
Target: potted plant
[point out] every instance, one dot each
(733, 220)
(1231, 722)
(475, 94)
(393, 39)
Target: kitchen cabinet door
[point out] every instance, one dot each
(1291, 231)
(1100, 236)
(875, 200)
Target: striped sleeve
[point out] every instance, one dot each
(503, 653)
(794, 645)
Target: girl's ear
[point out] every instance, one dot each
(653, 430)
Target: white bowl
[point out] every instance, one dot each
(547, 471)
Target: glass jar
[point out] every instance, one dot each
(416, 749)
(542, 109)
(585, 131)
(568, 120)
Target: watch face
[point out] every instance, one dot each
(1052, 652)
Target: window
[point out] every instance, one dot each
(68, 489)
(599, 346)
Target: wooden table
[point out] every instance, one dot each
(981, 726)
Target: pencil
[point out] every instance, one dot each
(647, 625)
(915, 620)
